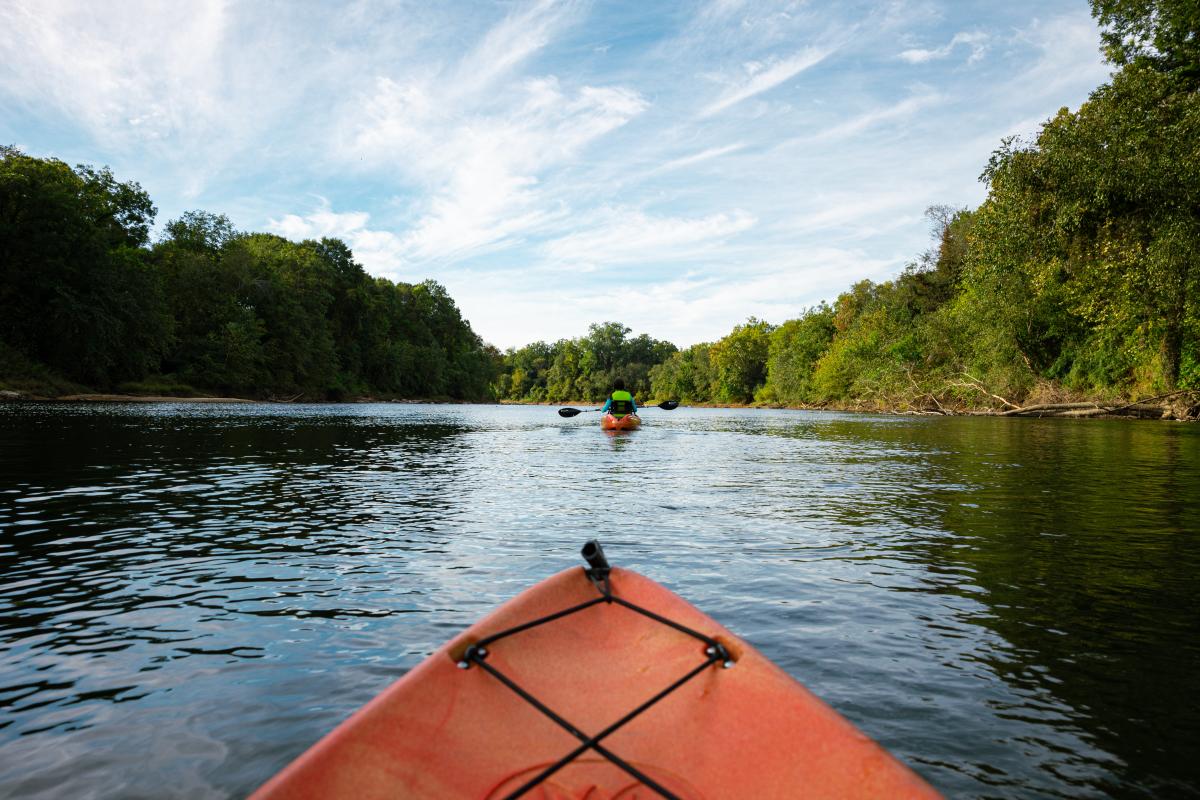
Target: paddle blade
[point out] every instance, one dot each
(568, 412)
(669, 405)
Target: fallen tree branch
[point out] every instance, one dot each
(1082, 412)
(1143, 407)
(977, 385)
(1147, 400)
(922, 393)
(1056, 407)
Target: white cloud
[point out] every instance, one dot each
(128, 75)
(1069, 56)
(380, 252)
(633, 236)
(695, 305)
(506, 45)
(696, 158)
(482, 155)
(977, 41)
(851, 212)
(483, 175)
(869, 119)
(765, 77)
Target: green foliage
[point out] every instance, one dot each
(582, 369)
(20, 373)
(687, 375)
(857, 361)
(76, 290)
(795, 348)
(200, 231)
(1100, 221)
(740, 361)
(164, 385)
(251, 314)
(1161, 34)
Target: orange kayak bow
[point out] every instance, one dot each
(600, 684)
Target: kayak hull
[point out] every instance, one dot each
(445, 732)
(628, 422)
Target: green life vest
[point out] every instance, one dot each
(621, 403)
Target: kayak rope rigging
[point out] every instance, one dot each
(598, 573)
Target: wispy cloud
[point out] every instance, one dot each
(877, 116)
(1068, 55)
(850, 212)
(690, 304)
(976, 41)
(516, 38)
(697, 158)
(123, 76)
(483, 155)
(130, 78)
(482, 170)
(633, 236)
(764, 77)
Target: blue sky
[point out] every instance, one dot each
(677, 167)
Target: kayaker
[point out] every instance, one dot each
(620, 402)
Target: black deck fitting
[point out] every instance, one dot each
(593, 554)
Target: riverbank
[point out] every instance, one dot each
(23, 380)
(11, 395)
(135, 398)
(1180, 406)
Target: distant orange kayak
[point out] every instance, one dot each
(455, 726)
(628, 422)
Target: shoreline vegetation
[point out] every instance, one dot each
(1072, 291)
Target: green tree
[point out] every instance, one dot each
(253, 313)
(76, 291)
(526, 368)
(1160, 34)
(1112, 195)
(199, 231)
(565, 377)
(686, 375)
(794, 350)
(740, 360)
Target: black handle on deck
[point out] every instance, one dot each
(593, 554)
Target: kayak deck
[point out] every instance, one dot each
(442, 731)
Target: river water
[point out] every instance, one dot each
(192, 594)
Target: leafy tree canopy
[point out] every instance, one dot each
(1161, 34)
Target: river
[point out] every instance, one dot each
(192, 594)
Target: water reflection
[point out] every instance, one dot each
(192, 594)
(1081, 542)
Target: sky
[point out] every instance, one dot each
(677, 167)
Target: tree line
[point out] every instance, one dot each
(1079, 275)
(86, 297)
(583, 368)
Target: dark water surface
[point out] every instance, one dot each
(192, 594)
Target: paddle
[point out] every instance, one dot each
(665, 405)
